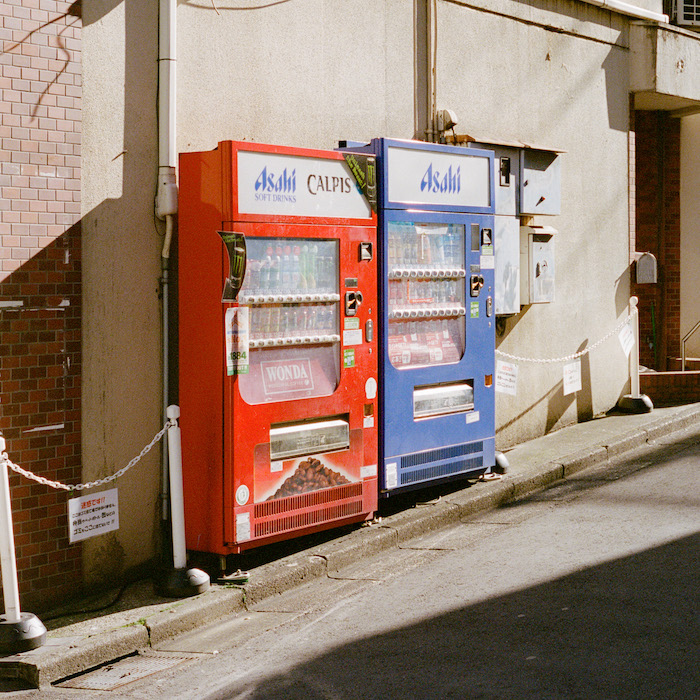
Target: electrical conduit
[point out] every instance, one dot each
(166, 195)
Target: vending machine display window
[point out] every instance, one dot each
(291, 291)
(426, 278)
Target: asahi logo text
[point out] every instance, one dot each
(440, 181)
(287, 376)
(276, 187)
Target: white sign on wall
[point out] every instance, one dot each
(93, 515)
(506, 377)
(417, 176)
(572, 377)
(273, 183)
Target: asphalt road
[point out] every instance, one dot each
(587, 590)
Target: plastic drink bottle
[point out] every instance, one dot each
(296, 268)
(266, 269)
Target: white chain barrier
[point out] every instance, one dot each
(172, 422)
(576, 355)
(99, 482)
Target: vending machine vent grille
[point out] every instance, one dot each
(441, 470)
(307, 500)
(297, 521)
(443, 453)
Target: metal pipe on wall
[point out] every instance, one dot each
(166, 196)
(431, 32)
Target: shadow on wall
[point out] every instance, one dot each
(121, 259)
(605, 632)
(615, 64)
(40, 317)
(67, 19)
(40, 333)
(40, 366)
(558, 403)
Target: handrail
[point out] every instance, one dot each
(683, 342)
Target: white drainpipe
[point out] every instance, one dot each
(166, 195)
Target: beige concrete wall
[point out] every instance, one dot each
(311, 73)
(690, 231)
(665, 67)
(121, 266)
(650, 5)
(566, 90)
(301, 74)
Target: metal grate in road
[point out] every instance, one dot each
(127, 670)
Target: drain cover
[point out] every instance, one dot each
(124, 671)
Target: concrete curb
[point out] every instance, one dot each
(158, 622)
(64, 658)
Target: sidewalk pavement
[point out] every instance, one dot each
(140, 619)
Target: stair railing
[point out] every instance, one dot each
(684, 341)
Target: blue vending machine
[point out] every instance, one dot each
(437, 322)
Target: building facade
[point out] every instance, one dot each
(82, 371)
(40, 282)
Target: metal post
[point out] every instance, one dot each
(634, 355)
(177, 501)
(18, 631)
(635, 402)
(10, 587)
(181, 581)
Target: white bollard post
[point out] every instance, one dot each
(177, 501)
(18, 631)
(10, 586)
(635, 402)
(181, 581)
(634, 355)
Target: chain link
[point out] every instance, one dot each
(99, 482)
(576, 355)
(90, 484)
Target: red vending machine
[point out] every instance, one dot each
(277, 343)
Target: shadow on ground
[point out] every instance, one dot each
(624, 629)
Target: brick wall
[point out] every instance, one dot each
(672, 235)
(656, 229)
(671, 388)
(40, 299)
